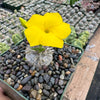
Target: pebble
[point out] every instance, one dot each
(62, 76)
(38, 97)
(60, 58)
(13, 77)
(40, 91)
(35, 80)
(47, 87)
(33, 73)
(34, 93)
(45, 92)
(18, 56)
(26, 88)
(26, 79)
(8, 71)
(20, 87)
(65, 65)
(68, 72)
(18, 73)
(61, 82)
(36, 87)
(16, 85)
(46, 78)
(10, 81)
(37, 74)
(41, 79)
(26, 67)
(50, 72)
(72, 69)
(52, 80)
(60, 91)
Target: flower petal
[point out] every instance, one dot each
(36, 20)
(33, 35)
(51, 40)
(61, 31)
(52, 19)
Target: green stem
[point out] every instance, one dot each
(39, 49)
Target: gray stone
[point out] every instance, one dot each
(46, 93)
(25, 80)
(41, 79)
(26, 67)
(16, 85)
(61, 82)
(62, 76)
(46, 78)
(26, 88)
(52, 80)
(47, 87)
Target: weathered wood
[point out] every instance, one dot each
(82, 78)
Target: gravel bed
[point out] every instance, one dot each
(41, 82)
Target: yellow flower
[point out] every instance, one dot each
(47, 30)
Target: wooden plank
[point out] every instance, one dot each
(82, 78)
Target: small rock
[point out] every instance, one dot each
(62, 77)
(40, 91)
(60, 58)
(26, 67)
(26, 79)
(36, 87)
(35, 80)
(47, 87)
(33, 73)
(56, 80)
(37, 74)
(8, 71)
(18, 56)
(50, 72)
(26, 88)
(34, 93)
(19, 88)
(60, 91)
(46, 78)
(65, 65)
(38, 97)
(61, 82)
(13, 77)
(16, 85)
(46, 93)
(52, 80)
(72, 69)
(10, 81)
(18, 73)
(68, 72)
(41, 79)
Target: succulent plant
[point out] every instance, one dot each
(72, 36)
(16, 38)
(3, 47)
(82, 40)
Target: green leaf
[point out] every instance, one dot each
(39, 49)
